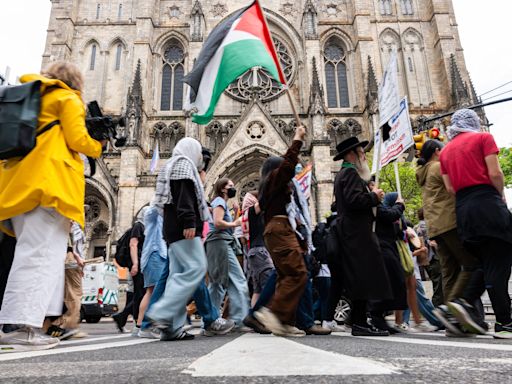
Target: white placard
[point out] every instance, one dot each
(400, 137)
(388, 91)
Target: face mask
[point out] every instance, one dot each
(231, 192)
(298, 169)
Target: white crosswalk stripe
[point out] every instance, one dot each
(257, 355)
(442, 343)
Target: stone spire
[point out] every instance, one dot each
(372, 90)
(134, 108)
(316, 96)
(136, 89)
(474, 97)
(460, 94)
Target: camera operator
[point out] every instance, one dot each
(41, 192)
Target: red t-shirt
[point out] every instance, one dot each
(463, 159)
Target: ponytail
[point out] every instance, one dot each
(428, 150)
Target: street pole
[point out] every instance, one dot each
(476, 106)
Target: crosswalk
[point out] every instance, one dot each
(252, 355)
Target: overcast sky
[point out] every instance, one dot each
(485, 29)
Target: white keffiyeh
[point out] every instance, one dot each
(184, 164)
(464, 120)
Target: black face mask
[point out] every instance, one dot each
(231, 192)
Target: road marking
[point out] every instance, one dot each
(392, 339)
(92, 339)
(80, 348)
(443, 335)
(259, 355)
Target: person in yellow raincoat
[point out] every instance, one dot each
(39, 196)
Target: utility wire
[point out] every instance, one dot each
(499, 94)
(492, 90)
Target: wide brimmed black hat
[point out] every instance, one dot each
(347, 145)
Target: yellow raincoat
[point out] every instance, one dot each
(52, 174)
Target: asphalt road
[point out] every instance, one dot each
(108, 357)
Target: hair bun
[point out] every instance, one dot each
(422, 161)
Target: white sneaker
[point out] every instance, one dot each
(26, 339)
(333, 326)
(269, 320)
(135, 331)
(402, 328)
(422, 327)
(290, 331)
(148, 334)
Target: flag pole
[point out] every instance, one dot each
(287, 89)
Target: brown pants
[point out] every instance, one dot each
(457, 264)
(292, 274)
(72, 298)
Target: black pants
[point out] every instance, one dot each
(7, 245)
(138, 294)
(335, 292)
(434, 272)
(495, 257)
(127, 310)
(358, 313)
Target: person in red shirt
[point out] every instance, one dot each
(471, 170)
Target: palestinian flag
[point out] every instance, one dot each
(234, 46)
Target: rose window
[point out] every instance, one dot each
(258, 82)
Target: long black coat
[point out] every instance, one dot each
(364, 274)
(388, 232)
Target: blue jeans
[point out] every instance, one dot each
(305, 317)
(237, 290)
(204, 305)
(323, 286)
(187, 267)
(425, 306)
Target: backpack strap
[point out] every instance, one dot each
(47, 127)
(52, 124)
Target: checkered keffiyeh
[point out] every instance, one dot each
(464, 120)
(179, 168)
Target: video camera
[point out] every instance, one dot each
(102, 127)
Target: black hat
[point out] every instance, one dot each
(347, 145)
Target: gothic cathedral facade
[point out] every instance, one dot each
(134, 54)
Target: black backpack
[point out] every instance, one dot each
(333, 245)
(19, 112)
(123, 257)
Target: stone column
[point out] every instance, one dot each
(131, 161)
(321, 158)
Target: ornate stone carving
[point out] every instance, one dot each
(339, 131)
(197, 19)
(288, 9)
(310, 20)
(255, 130)
(257, 82)
(249, 186)
(94, 211)
(331, 8)
(100, 231)
(216, 134)
(167, 136)
(353, 127)
(174, 12)
(219, 9)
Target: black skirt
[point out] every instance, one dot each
(396, 275)
(482, 215)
